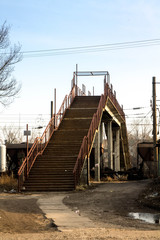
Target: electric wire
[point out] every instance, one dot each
(140, 121)
(151, 41)
(89, 48)
(82, 52)
(134, 108)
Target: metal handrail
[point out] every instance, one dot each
(87, 140)
(40, 143)
(108, 93)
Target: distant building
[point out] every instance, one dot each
(16, 153)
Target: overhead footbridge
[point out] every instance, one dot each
(86, 136)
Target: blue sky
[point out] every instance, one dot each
(52, 24)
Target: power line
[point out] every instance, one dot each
(141, 124)
(90, 48)
(140, 121)
(26, 114)
(134, 108)
(150, 41)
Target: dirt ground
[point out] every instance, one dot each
(21, 214)
(106, 204)
(110, 203)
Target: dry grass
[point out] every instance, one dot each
(115, 178)
(7, 183)
(81, 187)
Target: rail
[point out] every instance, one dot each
(108, 93)
(40, 143)
(87, 140)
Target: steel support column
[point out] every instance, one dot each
(117, 150)
(110, 144)
(97, 156)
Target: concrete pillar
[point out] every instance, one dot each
(117, 150)
(97, 156)
(110, 144)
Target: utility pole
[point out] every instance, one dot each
(51, 109)
(155, 150)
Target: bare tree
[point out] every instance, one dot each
(12, 134)
(9, 56)
(140, 132)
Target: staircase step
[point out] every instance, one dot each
(80, 112)
(75, 123)
(69, 135)
(52, 162)
(49, 181)
(56, 147)
(54, 188)
(86, 102)
(59, 153)
(55, 165)
(51, 176)
(56, 158)
(57, 169)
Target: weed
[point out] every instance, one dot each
(7, 183)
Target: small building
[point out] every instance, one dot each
(145, 158)
(16, 153)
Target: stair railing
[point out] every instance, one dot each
(40, 143)
(108, 93)
(87, 140)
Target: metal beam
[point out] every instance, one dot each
(92, 73)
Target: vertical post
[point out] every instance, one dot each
(55, 101)
(52, 122)
(117, 150)
(88, 163)
(27, 149)
(55, 108)
(154, 123)
(76, 79)
(104, 83)
(108, 78)
(93, 91)
(51, 109)
(110, 144)
(97, 156)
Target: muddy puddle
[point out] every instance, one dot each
(146, 217)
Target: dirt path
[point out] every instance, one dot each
(107, 206)
(110, 203)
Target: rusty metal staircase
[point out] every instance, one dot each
(53, 170)
(55, 161)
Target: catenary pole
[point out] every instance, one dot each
(155, 150)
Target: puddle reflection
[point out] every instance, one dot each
(147, 217)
